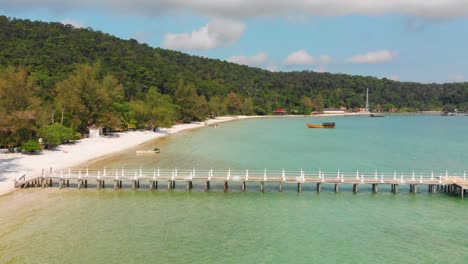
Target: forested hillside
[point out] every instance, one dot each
(56, 74)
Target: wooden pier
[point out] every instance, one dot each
(136, 179)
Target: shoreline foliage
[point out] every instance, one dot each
(52, 73)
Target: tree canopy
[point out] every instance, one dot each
(54, 73)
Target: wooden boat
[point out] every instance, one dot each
(323, 125)
(153, 151)
(376, 115)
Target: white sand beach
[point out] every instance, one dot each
(14, 165)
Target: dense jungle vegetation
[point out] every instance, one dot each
(56, 80)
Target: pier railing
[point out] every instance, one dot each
(171, 176)
(246, 175)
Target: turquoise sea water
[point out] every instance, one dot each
(179, 226)
(402, 143)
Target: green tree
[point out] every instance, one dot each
(233, 103)
(56, 134)
(216, 106)
(307, 105)
(20, 110)
(248, 107)
(318, 102)
(153, 110)
(192, 107)
(89, 100)
(31, 146)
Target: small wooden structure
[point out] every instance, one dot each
(95, 131)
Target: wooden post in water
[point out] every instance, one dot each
(43, 177)
(299, 187)
(280, 188)
(319, 186)
(262, 187)
(207, 185)
(337, 187)
(355, 188)
(225, 186)
(243, 186)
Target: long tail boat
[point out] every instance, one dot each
(323, 125)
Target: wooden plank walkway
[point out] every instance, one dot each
(120, 178)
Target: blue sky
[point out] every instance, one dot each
(407, 40)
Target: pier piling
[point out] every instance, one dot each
(319, 186)
(355, 188)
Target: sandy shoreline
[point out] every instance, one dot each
(69, 155)
(14, 165)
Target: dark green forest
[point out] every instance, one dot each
(54, 77)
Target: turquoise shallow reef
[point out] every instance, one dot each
(179, 226)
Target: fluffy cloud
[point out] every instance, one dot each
(302, 57)
(258, 59)
(428, 9)
(217, 33)
(74, 23)
(373, 57)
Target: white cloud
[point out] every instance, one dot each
(428, 9)
(373, 57)
(302, 57)
(217, 33)
(457, 78)
(258, 59)
(74, 23)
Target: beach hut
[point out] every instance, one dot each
(95, 131)
(279, 111)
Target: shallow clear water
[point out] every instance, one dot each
(402, 143)
(89, 226)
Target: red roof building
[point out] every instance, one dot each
(279, 111)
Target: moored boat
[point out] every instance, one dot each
(323, 125)
(376, 115)
(149, 151)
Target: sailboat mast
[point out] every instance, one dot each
(367, 100)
